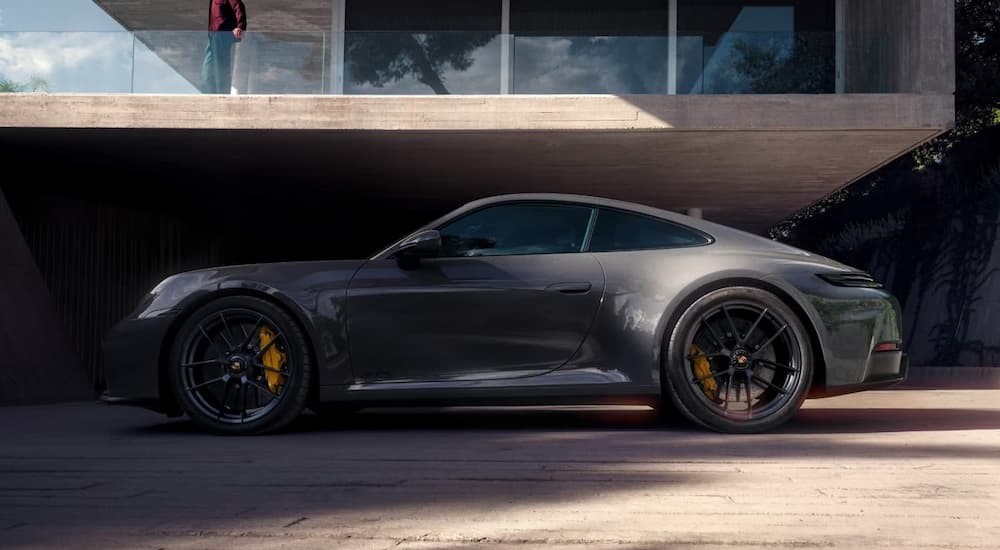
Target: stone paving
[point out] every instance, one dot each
(891, 469)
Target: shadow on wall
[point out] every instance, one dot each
(930, 234)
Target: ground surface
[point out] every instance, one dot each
(899, 469)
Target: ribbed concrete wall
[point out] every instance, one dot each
(37, 362)
(905, 46)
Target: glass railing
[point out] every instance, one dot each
(403, 63)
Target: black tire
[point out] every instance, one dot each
(215, 359)
(739, 337)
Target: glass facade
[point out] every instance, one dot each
(458, 47)
(756, 46)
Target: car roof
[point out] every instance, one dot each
(728, 236)
(570, 198)
(699, 224)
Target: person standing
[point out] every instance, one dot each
(227, 21)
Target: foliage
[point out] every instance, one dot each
(34, 84)
(977, 104)
(771, 67)
(381, 58)
(858, 236)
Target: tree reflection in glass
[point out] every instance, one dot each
(405, 62)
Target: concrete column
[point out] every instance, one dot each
(338, 26)
(937, 47)
(899, 46)
(841, 45)
(672, 48)
(39, 364)
(506, 50)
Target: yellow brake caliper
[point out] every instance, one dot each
(703, 371)
(273, 358)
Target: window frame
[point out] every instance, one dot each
(709, 240)
(588, 232)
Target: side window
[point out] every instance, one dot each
(516, 229)
(624, 231)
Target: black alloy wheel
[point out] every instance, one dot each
(240, 365)
(739, 361)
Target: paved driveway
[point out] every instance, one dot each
(895, 469)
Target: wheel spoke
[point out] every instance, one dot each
(771, 339)
(772, 364)
(225, 333)
(754, 326)
(729, 386)
(199, 364)
(222, 403)
(207, 383)
(707, 355)
(711, 330)
(709, 377)
(258, 385)
(221, 352)
(262, 366)
(749, 403)
(243, 413)
(765, 384)
(253, 331)
(732, 325)
(270, 344)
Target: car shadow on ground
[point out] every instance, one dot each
(815, 420)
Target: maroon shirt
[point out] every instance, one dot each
(226, 15)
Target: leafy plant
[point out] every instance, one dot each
(34, 84)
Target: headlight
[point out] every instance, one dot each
(156, 290)
(857, 279)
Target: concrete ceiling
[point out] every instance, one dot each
(748, 179)
(187, 15)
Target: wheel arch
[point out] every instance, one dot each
(819, 362)
(167, 398)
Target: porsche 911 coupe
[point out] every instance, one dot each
(515, 300)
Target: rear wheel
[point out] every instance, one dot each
(739, 361)
(240, 365)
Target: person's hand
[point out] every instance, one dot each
(238, 33)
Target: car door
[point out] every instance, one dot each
(510, 295)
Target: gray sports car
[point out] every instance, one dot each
(519, 299)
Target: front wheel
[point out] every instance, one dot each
(739, 361)
(240, 365)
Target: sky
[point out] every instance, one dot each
(74, 46)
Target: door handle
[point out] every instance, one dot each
(569, 288)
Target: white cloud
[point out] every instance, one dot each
(25, 55)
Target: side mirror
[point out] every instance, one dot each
(425, 244)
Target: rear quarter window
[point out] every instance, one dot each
(617, 231)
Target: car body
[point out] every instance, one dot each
(522, 325)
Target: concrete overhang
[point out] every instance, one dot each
(186, 15)
(748, 161)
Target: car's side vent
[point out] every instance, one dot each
(852, 279)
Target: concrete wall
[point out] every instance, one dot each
(38, 363)
(899, 46)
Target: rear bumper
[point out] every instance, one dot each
(885, 369)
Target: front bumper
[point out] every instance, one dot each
(131, 357)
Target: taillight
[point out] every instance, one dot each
(856, 279)
(886, 346)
